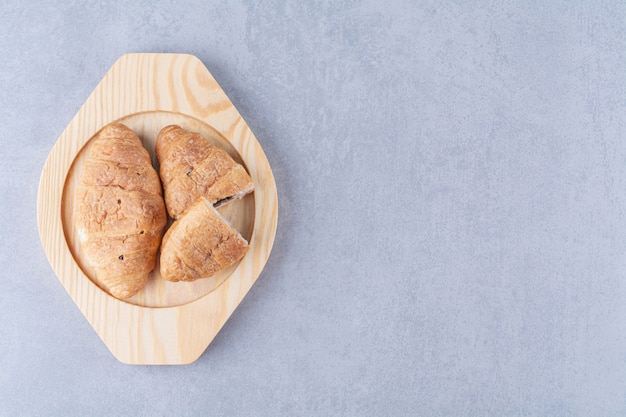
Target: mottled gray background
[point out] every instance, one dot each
(452, 229)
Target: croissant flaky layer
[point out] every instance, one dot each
(120, 213)
(199, 244)
(191, 167)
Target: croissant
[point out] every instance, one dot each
(191, 167)
(199, 244)
(120, 213)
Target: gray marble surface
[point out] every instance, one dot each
(452, 229)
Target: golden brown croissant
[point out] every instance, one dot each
(199, 244)
(120, 212)
(191, 167)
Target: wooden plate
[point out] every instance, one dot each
(166, 323)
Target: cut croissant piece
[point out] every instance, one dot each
(200, 244)
(191, 167)
(120, 211)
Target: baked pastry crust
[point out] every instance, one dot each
(191, 167)
(120, 212)
(200, 244)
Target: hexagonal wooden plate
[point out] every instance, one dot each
(166, 323)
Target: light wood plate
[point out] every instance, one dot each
(166, 323)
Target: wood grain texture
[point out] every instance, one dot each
(166, 323)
